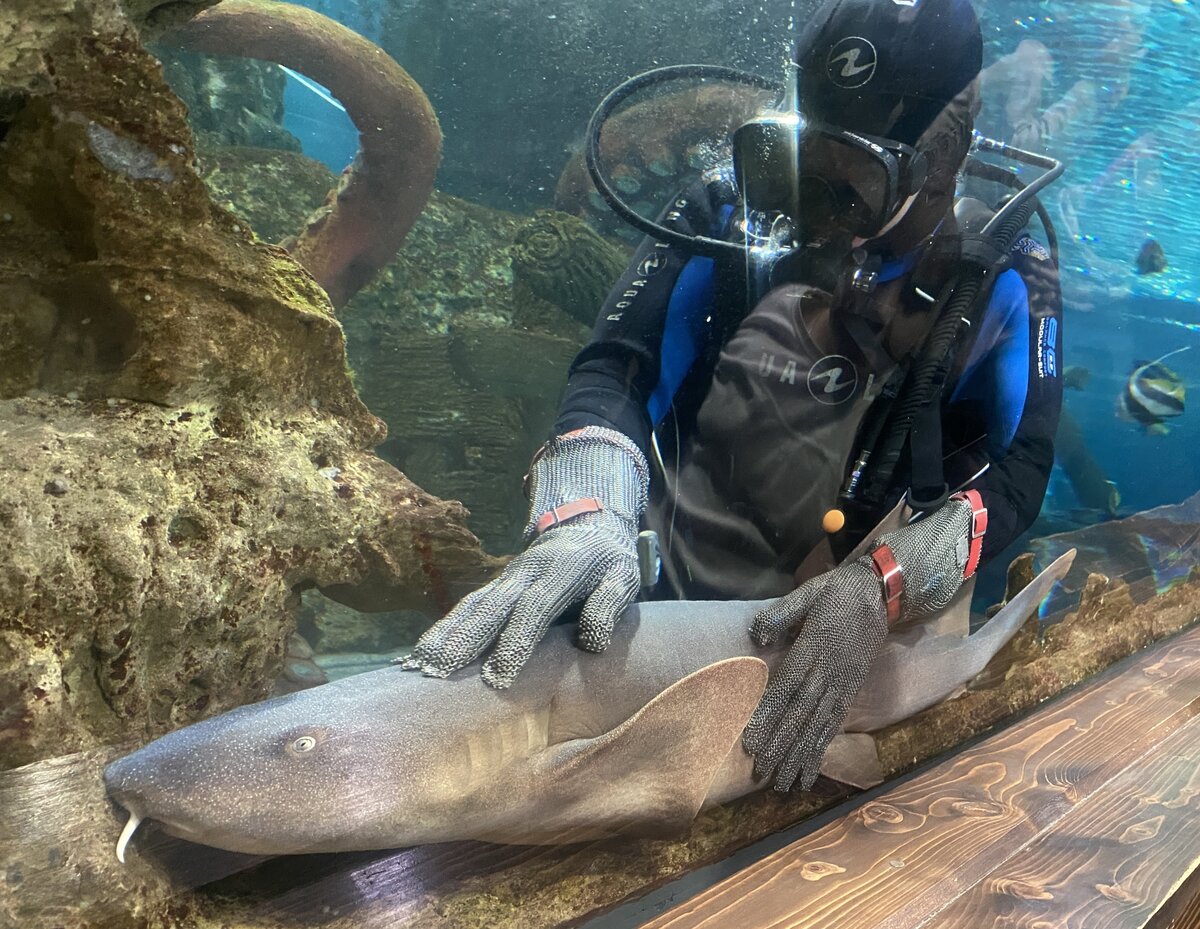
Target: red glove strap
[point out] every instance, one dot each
(567, 511)
(891, 579)
(979, 521)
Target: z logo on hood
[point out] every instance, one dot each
(832, 380)
(852, 62)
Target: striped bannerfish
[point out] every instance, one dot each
(1153, 393)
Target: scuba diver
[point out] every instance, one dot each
(806, 337)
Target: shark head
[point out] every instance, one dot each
(324, 769)
(389, 758)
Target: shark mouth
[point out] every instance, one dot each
(127, 834)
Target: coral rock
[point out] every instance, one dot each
(365, 221)
(562, 261)
(184, 450)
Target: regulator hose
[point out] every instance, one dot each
(959, 299)
(705, 246)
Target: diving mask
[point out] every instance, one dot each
(830, 182)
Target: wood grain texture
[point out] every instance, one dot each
(912, 853)
(1182, 911)
(1111, 861)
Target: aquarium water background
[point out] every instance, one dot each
(514, 82)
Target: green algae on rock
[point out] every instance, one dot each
(366, 219)
(431, 340)
(273, 190)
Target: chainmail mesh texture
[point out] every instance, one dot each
(841, 623)
(841, 630)
(591, 558)
(933, 557)
(593, 462)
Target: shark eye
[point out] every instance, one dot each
(306, 743)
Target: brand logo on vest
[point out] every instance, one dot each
(832, 380)
(852, 62)
(652, 264)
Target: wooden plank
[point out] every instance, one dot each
(1182, 911)
(1112, 861)
(898, 860)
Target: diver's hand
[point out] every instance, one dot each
(588, 491)
(842, 619)
(842, 627)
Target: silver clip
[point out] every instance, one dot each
(649, 557)
(864, 281)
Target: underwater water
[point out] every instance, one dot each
(233, 479)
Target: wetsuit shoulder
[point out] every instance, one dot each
(650, 328)
(1011, 392)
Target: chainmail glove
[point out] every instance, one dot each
(841, 620)
(590, 557)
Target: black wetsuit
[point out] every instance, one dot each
(757, 409)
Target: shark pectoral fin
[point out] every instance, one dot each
(999, 643)
(650, 774)
(998, 630)
(852, 758)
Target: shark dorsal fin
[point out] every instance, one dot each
(651, 773)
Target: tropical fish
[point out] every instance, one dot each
(1151, 259)
(1153, 394)
(637, 739)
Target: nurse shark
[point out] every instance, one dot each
(635, 740)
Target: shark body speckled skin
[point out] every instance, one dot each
(634, 740)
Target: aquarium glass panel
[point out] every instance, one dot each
(459, 457)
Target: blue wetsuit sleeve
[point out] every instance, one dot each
(1012, 381)
(646, 336)
(996, 376)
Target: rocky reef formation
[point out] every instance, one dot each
(559, 259)
(274, 191)
(432, 340)
(466, 369)
(230, 101)
(184, 451)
